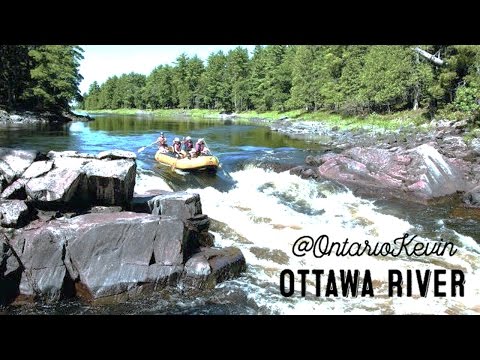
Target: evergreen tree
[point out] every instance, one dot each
(14, 74)
(306, 79)
(237, 70)
(386, 77)
(213, 83)
(54, 76)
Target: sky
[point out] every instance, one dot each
(102, 61)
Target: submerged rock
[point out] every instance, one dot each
(211, 266)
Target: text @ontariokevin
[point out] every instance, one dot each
(350, 283)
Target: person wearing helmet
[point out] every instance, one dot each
(177, 147)
(162, 143)
(188, 144)
(200, 148)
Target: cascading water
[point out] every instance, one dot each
(268, 211)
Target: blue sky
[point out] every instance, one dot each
(103, 61)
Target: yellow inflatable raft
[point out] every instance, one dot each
(203, 162)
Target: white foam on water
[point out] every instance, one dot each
(272, 210)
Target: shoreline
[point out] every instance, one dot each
(40, 117)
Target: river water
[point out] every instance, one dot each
(266, 210)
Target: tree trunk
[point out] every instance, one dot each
(416, 95)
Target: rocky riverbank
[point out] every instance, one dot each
(412, 163)
(29, 117)
(71, 226)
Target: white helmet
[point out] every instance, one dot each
(201, 140)
(176, 139)
(188, 138)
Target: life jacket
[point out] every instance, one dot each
(177, 146)
(163, 141)
(199, 147)
(188, 145)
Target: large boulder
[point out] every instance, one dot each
(100, 255)
(118, 252)
(41, 250)
(14, 162)
(72, 179)
(14, 213)
(210, 266)
(419, 174)
(182, 205)
(56, 188)
(111, 182)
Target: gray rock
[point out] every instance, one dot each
(116, 155)
(472, 197)
(117, 252)
(14, 162)
(78, 180)
(182, 205)
(209, 267)
(9, 263)
(56, 187)
(111, 182)
(38, 168)
(41, 252)
(171, 245)
(475, 145)
(105, 209)
(69, 154)
(304, 172)
(314, 160)
(139, 203)
(14, 213)
(197, 232)
(16, 190)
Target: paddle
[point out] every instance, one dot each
(208, 147)
(144, 147)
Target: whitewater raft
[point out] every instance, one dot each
(201, 163)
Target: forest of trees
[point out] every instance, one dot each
(39, 77)
(353, 79)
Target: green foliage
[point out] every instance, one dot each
(353, 80)
(467, 99)
(43, 77)
(54, 74)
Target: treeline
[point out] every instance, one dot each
(39, 77)
(346, 79)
